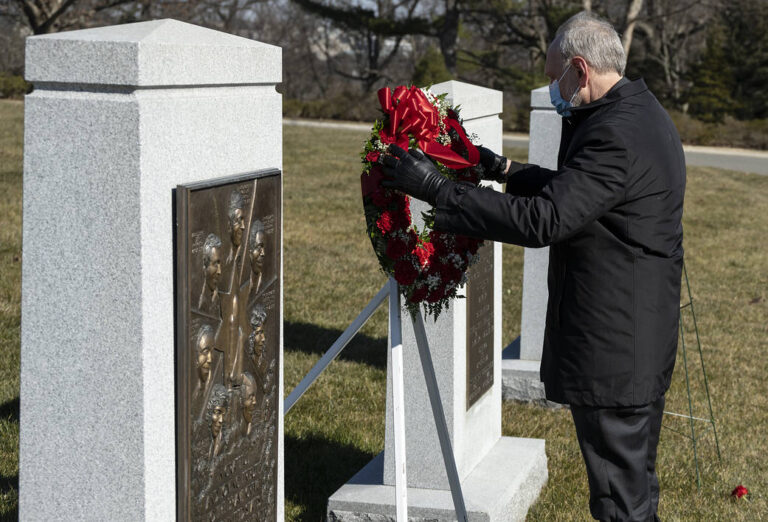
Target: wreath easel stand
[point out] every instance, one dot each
(398, 404)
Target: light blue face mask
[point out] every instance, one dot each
(561, 105)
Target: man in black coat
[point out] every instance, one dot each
(611, 215)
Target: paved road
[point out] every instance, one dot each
(742, 160)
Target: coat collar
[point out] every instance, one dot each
(624, 88)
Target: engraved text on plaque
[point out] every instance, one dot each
(480, 325)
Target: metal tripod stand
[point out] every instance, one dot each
(694, 436)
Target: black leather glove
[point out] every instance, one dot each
(413, 173)
(493, 165)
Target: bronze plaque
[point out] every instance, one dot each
(480, 325)
(228, 347)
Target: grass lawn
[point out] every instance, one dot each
(331, 273)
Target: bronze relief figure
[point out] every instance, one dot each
(229, 269)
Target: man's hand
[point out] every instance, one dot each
(413, 173)
(494, 166)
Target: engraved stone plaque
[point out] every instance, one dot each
(480, 325)
(228, 347)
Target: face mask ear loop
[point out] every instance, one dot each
(578, 87)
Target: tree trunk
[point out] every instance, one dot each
(633, 10)
(449, 35)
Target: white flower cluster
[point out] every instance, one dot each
(442, 110)
(454, 259)
(402, 235)
(433, 281)
(474, 138)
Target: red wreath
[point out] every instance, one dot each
(429, 266)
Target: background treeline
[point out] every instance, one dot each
(706, 60)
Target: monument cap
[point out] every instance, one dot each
(158, 53)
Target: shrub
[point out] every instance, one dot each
(750, 134)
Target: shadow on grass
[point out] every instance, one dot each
(315, 468)
(310, 338)
(9, 488)
(10, 410)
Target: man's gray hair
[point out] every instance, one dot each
(594, 39)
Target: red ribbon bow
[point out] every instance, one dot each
(409, 111)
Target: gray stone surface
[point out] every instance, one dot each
(472, 432)
(520, 378)
(520, 381)
(159, 52)
(97, 357)
(502, 487)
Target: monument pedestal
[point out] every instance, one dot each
(503, 486)
(119, 117)
(522, 358)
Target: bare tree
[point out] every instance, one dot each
(633, 12)
(672, 31)
(47, 16)
(362, 41)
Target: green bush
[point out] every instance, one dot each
(750, 134)
(13, 86)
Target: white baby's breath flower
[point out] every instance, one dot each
(454, 259)
(433, 281)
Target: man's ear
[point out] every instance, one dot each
(582, 69)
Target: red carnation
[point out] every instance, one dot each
(739, 492)
(405, 272)
(439, 241)
(424, 251)
(474, 245)
(381, 197)
(402, 219)
(448, 272)
(437, 294)
(413, 237)
(373, 156)
(396, 248)
(419, 294)
(405, 206)
(385, 222)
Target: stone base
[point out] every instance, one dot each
(502, 487)
(520, 378)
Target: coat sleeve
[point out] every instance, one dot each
(528, 180)
(590, 183)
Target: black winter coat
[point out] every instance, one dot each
(611, 215)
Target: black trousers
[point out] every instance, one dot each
(619, 450)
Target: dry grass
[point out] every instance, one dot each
(11, 137)
(331, 274)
